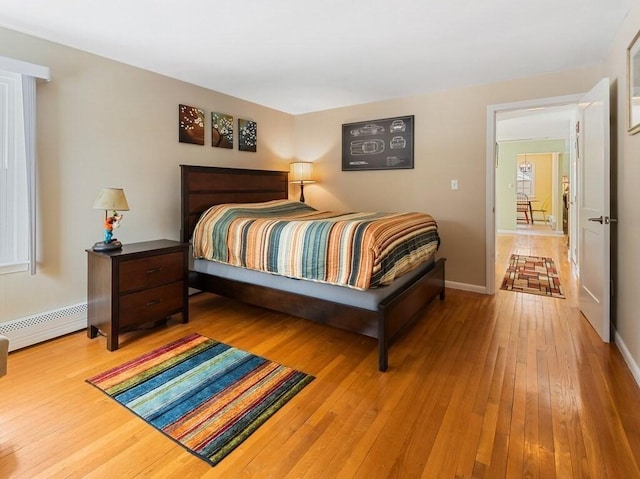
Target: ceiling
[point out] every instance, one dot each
(300, 56)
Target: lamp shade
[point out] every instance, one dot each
(111, 199)
(301, 172)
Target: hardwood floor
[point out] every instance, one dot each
(511, 385)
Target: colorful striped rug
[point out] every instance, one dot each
(207, 396)
(534, 275)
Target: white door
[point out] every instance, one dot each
(594, 208)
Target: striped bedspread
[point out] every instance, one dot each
(359, 250)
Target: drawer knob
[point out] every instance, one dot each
(154, 270)
(155, 301)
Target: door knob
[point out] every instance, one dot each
(604, 219)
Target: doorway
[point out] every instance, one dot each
(530, 181)
(530, 125)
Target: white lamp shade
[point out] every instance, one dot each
(111, 199)
(301, 172)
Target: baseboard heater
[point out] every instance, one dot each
(34, 329)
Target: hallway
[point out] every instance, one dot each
(565, 364)
(539, 242)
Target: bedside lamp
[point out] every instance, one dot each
(301, 172)
(110, 199)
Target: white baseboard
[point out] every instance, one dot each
(633, 366)
(34, 329)
(473, 288)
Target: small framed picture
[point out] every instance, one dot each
(190, 125)
(247, 135)
(633, 85)
(221, 130)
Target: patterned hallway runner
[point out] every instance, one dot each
(534, 275)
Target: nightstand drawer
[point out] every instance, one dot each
(151, 271)
(150, 304)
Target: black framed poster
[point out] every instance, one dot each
(384, 144)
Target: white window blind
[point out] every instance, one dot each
(17, 164)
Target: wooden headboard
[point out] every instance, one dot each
(205, 186)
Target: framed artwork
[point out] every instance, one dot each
(190, 125)
(221, 130)
(247, 135)
(385, 144)
(633, 85)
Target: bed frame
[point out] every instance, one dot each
(204, 186)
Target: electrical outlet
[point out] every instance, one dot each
(454, 184)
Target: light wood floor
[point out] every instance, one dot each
(511, 385)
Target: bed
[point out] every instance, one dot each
(382, 313)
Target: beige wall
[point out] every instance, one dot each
(103, 123)
(625, 196)
(450, 143)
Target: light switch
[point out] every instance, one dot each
(454, 184)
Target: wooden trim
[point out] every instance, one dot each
(204, 186)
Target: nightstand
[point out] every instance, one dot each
(138, 284)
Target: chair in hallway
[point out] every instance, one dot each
(542, 209)
(523, 205)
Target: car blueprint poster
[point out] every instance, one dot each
(378, 144)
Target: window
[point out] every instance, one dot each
(17, 164)
(525, 177)
(14, 233)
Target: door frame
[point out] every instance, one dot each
(490, 201)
